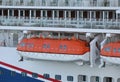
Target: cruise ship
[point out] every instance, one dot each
(59, 40)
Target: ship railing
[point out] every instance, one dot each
(72, 3)
(48, 20)
(60, 22)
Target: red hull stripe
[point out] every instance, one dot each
(29, 72)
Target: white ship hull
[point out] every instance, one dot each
(94, 21)
(62, 68)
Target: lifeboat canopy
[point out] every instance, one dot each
(54, 49)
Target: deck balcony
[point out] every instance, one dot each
(60, 22)
(62, 3)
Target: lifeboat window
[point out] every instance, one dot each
(118, 49)
(65, 46)
(58, 77)
(22, 44)
(69, 78)
(46, 76)
(114, 50)
(34, 75)
(107, 49)
(23, 74)
(61, 46)
(46, 46)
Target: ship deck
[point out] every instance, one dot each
(58, 29)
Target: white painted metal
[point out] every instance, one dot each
(79, 30)
(63, 68)
(103, 42)
(94, 51)
(78, 23)
(113, 60)
(81, 3)
(56, 57)
(108, 59)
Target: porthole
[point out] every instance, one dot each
(34, 75)
(69, 78)
(46, 76)
(23, 74)
(58, 77)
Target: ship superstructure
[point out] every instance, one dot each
(59, 40)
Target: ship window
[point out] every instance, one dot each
(34, 75)
(1, 72)
(32, 1)
(32, 13)
(23, 74)
(55, 13)
(107, 79)
(21, 13)
(10, 12)
(58, 77)
(46, 76)
(119, 50)
(107, 49)
(84, 78)
(55, 2)
(69, 78)
(21, 1)
(0, 2)
(13, 73)
(114, 49)
(94, 79)
(43, 2)
(97, 79)
(44, 14)
(118, 80)
(66, 2)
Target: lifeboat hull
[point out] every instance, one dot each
(113, 60)
(54, 57)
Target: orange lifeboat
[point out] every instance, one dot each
(54, 49)
(111, 52)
